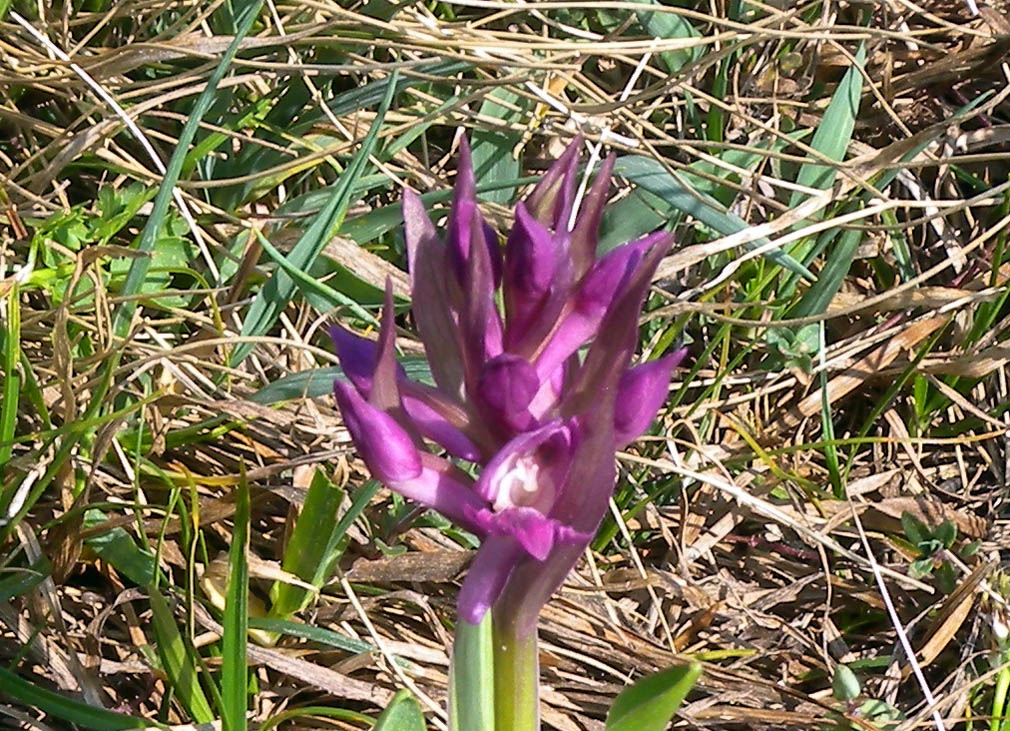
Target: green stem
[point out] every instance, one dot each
(516, 677)
(471, 678)
(999, 705)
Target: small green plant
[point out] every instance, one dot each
(935, 547)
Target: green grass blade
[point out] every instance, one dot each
(177, 660)
(492, 146)
(12, 379)
(653, 177)
(73, 711)
(834, 133)
(277, 293)
(234, 669)
(149, 236)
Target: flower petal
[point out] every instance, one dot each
(551, 200)
(585, 233)
(640, 393)
(385, 393)
(433, 292)
(384, 445)
(357, 357)
(601, 286)
(545, 450)
(533, 531)
(486, 577)
(506, 387)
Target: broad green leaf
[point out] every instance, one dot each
(845, 684)
(402, 714)
(650, 703)
(304, 554)
(653, 177)
(471, 677)
(120, 550)
(492, 145)
(234, 639)
(177, 659)
(70, 710)
(670, 25)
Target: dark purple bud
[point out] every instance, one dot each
(506, 387)
(552, 198)
(587, 225)
(640, 393)
(384, 445)
(532, 257)
(434, 291)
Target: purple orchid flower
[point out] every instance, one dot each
(513, 393)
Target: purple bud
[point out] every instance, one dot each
(357, 358)
(585, 234)
(384, 445)
(640, 393)
(506, 387)
(552, 198)
(532, 258)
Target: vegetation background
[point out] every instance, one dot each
(193, 189)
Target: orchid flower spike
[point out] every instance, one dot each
(513, 394)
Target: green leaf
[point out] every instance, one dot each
(920, 568)
(670, 25)
(676, 194)
(402, 714)
(305, 554)
(118, 548)
(946, 533)
(177, 659)
(915, 530)
(274, 297)
(834, 133)
(650, 703)
(234, 639)
(318, 382)
(74, 711)
(845, 684)
(471, 677)
(492, 145)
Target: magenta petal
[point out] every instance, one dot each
(357, 357)
(534, 532)
(532, 259)
(506, 387)
(548, 448)
(585, 234)
(640, 393)
(597, 291)
(384, 445)
(552, 198)
(434, 290)
(486, 577)
(433, 425)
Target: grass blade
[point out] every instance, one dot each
(275, 295)
(234, 670)
(176, 658)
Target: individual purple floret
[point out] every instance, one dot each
(513, 393)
